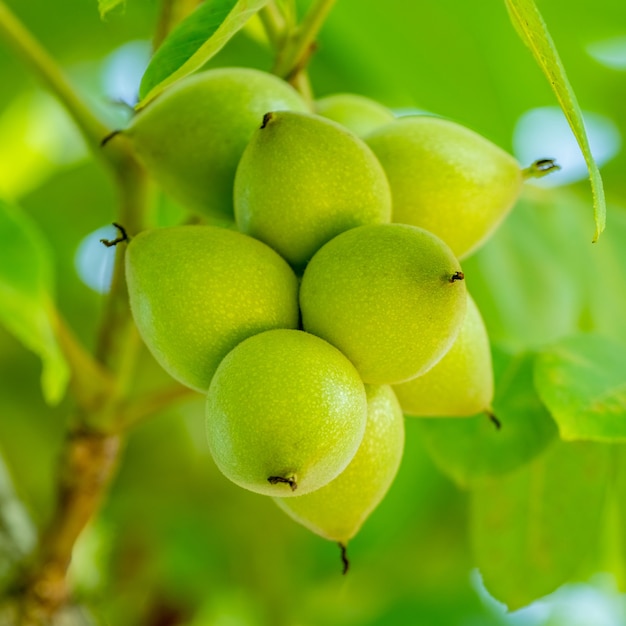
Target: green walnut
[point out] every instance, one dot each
(304, 179)
(192, 136)
(338, 510)
(285, 413)
(461, 384)
(447, 179)
(197, 291)
(391, 297)
(358, 113)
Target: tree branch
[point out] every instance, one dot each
(140, 408)
(90, 452)
(87, 468)
(120, 155)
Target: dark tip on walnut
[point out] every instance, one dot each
(541, 168)
(457, 276)
(123, 236)
(544, 165)
(267, 118)
(494, 420)
(344, 558)
(289, 480)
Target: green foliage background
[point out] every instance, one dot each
(533, 506)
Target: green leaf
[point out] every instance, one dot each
(523, 279)
(25, 296)
(198, 38)
(604, 272)
(615, 550)
(582, 381)
(534, 33)
(106, 6)
(468, 449)
(533, 529)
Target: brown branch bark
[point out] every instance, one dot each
(88, 466)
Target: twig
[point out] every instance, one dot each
(140, 408)
(118, 156)
(90, 381)
(273, 24)
(25, 46)
(298, 46)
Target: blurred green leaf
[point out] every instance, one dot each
(534, 33)
(198, 38)
(535, 285)
(468, 449)
(582, 380)
(532, 529)
(105, 6)
(615, 552)
(25, 296)
(604, 271)
(523, 280)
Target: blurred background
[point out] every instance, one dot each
(176, 543)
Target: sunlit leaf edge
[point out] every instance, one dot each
(533, 31)
(155, 81)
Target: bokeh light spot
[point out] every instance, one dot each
(94, 261)
(610, 52)
(123, 69)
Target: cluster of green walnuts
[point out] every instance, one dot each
(334, 302)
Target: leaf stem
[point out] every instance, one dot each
(25, 46)
(297, 49)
